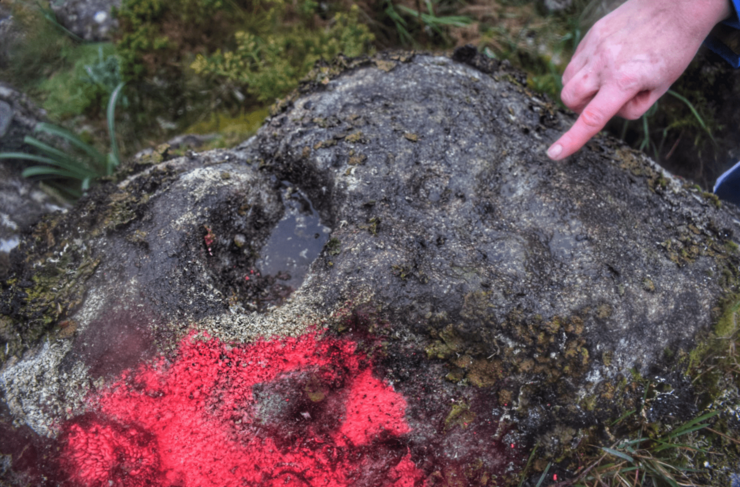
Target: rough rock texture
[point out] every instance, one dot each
(91, 20)
(508, 297)
(22, 202)
(18, 117)
(8, 35)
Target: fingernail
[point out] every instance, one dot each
(554, 151)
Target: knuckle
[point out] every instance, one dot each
(627, 82)
(568, 98)
(575, 94)
(593, 118)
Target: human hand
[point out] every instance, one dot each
(629, 59)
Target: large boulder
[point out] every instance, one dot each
(397, 217)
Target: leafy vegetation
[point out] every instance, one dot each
(86, 86)
(270, 66)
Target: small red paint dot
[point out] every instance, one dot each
(246, 278)
(512, 445)
(555, 477)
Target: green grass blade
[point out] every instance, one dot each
(544, 474)
(636, 441)
(689, 430)
(628, 413)
(51, 17)
(72, 139)
(60, 158)
(619, 454)
(27, 157)
(688, 427)
(399, 22)
(646, 140)
(693, 110)
(47, 171)
(661, 475)
(433, 20)
(526, 467)
(111, 114)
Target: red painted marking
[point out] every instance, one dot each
(371, 408)
(213, 417)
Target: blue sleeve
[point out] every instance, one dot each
(725, 38)
(734, 21)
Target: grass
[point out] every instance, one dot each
(634, 462)
(77, 164)
(661, 455)
(428, 22)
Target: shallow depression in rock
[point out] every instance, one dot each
(295, 242)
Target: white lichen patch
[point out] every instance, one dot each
(37, 391)
(304, 311)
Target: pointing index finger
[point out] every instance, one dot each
(606, 104)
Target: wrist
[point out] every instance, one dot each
(699, 17)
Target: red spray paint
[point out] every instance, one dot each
(291, 412)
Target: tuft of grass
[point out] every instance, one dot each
(634, 462)
(427, 23)
(76, 167)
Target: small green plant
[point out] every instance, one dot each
(85, 86)
(104, 72)
(81, 166)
